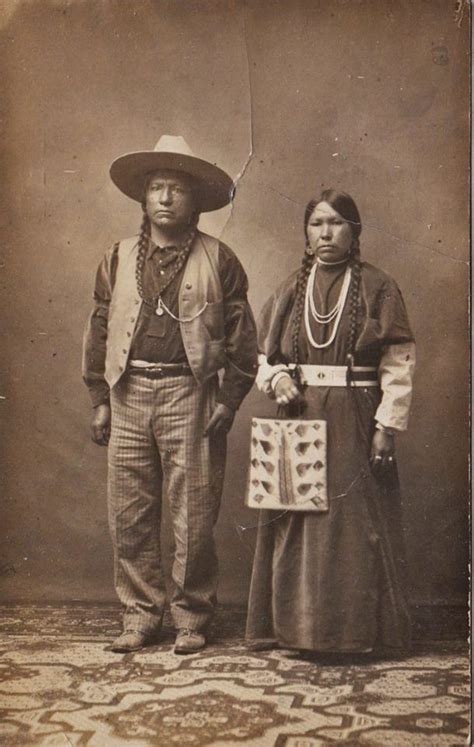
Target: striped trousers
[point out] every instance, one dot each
(157, 450)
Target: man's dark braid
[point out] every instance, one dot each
(144, 235)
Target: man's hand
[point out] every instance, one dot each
(100, 426)
(286, 391)
(382, 453)
(221, 421)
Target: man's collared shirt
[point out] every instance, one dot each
(157, 339)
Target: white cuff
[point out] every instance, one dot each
(395, 372)
(276, 378)
(266, 375)
(384, 429)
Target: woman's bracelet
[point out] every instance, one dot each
(276, 378)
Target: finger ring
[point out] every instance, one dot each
(377, 459)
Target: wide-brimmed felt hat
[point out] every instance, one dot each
(214, 187)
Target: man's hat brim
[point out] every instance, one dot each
(215, 188)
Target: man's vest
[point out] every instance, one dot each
(201, 310)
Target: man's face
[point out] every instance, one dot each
(169, 200)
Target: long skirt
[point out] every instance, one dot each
(333, 581)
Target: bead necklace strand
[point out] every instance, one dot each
(334, 314)
(324, 318)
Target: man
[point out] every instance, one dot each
(170, 311)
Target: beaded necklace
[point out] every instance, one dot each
(334, 315)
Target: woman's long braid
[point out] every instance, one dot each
(356, 269)
(301, 284)
(354, 292)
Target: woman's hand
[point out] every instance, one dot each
(382, 453)
(286, 391)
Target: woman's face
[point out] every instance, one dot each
(329, 234)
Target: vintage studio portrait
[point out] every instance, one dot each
(235, 382)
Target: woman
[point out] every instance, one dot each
(331, 581)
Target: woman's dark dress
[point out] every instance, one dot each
(332, 581)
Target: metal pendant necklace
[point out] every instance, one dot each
(156, 302)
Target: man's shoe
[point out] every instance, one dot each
(189, 641)
(130, 640)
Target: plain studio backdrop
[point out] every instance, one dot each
(368, 96)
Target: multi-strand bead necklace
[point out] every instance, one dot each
(334, 315)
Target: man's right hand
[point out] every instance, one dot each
(100, 426)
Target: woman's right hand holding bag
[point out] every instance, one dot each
(286, 390)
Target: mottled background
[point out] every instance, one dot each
(370, 96)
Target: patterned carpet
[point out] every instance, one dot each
(60, 687)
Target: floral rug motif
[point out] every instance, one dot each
(61, 687)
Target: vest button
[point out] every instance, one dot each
(124, 351)
(188, 286)
(132, 319)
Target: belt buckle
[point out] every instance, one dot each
(321, 375)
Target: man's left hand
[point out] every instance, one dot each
(221, 421)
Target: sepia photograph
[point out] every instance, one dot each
(235, 391)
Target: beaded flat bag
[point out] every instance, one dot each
(288, 465)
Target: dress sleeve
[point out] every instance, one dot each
(274, 319)
(386, 319)
(396, 371)
(272, 363)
